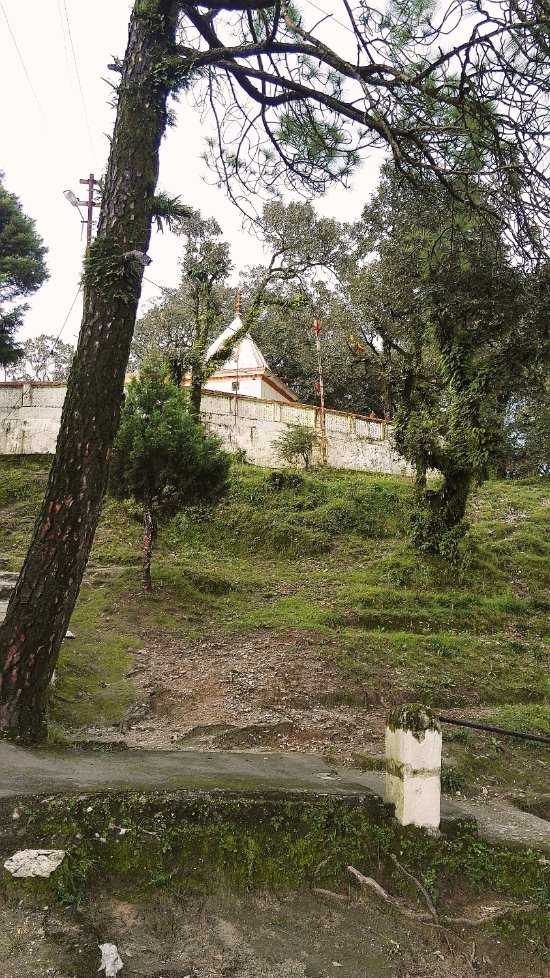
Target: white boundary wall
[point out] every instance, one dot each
(30, 415)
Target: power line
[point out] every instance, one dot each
(63, 34)
(66, 320)
(332, 17)
(54, 344)
(163, 288)
(21, 59)
(78, 78)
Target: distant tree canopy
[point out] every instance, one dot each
(298, 243)
(22, 270)
(43, 358)
(284, 333)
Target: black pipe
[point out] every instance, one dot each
(498, 730)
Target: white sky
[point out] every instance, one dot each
(48, 146)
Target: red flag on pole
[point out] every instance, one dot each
(317, 326)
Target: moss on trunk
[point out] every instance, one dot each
(48, 586)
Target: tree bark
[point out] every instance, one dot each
(48, 586)
(196, 395)
(445, 507)
(149, 536)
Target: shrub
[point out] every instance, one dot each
(162, 456)
(297, 444)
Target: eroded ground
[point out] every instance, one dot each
(263, 936)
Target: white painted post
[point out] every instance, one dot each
(413, 766)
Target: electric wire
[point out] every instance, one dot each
(78, 78)
(53, 346)
(163, 288)
(66, 320)
(332, 17)
(64, 36)
(21, 59)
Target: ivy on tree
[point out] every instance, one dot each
(22, 270)
(162, 457)
(447, 302)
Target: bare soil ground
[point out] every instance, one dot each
(258, 691)
(261, 936)
(274, 690)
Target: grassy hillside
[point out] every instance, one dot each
(323, 565)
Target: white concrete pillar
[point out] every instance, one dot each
(413, 766)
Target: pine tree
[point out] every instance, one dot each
(22, 270)
(162, 457)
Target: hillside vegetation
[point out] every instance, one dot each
(318, 568)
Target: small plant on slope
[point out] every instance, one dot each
(297, 443)
(162, 457)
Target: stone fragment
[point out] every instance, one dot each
(34, 862)
(111, 962)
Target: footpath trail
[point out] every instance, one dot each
(34, 772)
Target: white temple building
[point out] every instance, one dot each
(246, 372)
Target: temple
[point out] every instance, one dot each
(246, 372)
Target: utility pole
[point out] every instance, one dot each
(89, 204)
(322, 425)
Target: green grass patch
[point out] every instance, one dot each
(90, 686)
(324, 554)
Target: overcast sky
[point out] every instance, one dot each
(55, 117)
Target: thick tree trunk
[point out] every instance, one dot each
(195, 396)
(443, 510)
(48, 585)
(149, 536)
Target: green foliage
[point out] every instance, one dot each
(22, 269)
(191, 843)
(527, 433)
(448, 303)
(297, 444)
(169, 212)
(284, 480)
(161, 455)
(182, 326)
(452, 780)
(108, 270)
(326, 560)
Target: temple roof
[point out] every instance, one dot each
(245, 356)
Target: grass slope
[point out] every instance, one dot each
(328, 556)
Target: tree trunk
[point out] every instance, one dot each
(149, 536)
(48, 586)
(449, 502)
(196, 395)
(441, 511)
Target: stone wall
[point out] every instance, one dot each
(30, 416)
(353, 442)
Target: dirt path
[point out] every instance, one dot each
(259, 691)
